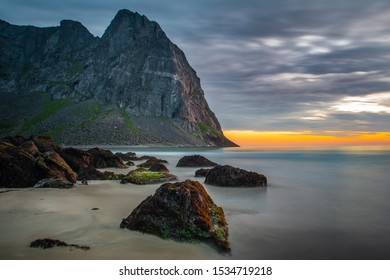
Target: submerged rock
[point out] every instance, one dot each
(181, 211)
(142, 176)
(50, 243)
(195, 161)
(228, 176)
(55, 183)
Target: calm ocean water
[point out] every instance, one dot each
(318, 204)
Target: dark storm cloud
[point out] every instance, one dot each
(267, 65)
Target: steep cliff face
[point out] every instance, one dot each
(132, 86)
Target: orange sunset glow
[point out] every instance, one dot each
(281, 139)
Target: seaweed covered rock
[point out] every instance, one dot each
(104, 158)
(46, 243)
(142, 176)
(181, 211)
(195, 161)
(228, 176)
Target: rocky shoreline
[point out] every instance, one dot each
(39, 162)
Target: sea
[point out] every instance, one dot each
(319, 204)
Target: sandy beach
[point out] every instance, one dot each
(29, 214)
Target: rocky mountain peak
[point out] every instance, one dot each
(134, 70)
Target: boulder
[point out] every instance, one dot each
(153, 158)
(52, 165)
(17, 167)
(202, 172)
(195, 161)
(228, 176)
(104, 158)
(158, 167)
(142, 176)
(45, 144)
(125, 156)
(77, 159)
(181, 211)
(55, 183)
(130, 163)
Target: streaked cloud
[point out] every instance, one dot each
(264, 65)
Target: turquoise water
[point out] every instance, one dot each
(318, 204)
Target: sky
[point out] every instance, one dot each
(319, 70)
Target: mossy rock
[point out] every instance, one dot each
(142, 176)
(181, 211)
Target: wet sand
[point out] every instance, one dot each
(30, 214)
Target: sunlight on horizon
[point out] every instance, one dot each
(310, 139)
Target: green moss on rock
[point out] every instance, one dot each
(142, 176)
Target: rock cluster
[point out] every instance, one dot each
(38, 161)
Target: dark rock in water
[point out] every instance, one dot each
(77, 159)
(50, 243)
(142, 176)
(195, 161)
(52, 165)
(148, 163)
(151, 161)
(228, 176)
(55, 183)
(91, 173)
(17, 167)
(125, 156)
(95, 208)
(84, 182)
(152, 158)
(45, 144)
(104, 158)
(202, 172)
(130, 163)
(158, 167)
(134, 158)
(181, 211)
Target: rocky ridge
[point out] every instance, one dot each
(131, 86)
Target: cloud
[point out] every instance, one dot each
(276, 65)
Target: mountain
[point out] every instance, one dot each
(131, 86)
